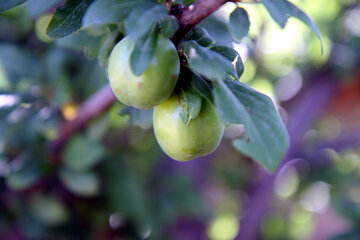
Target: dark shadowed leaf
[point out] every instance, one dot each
(36, 7)
(208, 63)
(239, 24)
(227, 52)
(143, 51)
(108, 11)
(187, 2)
(201, 36)
(7, 4)
(201, 86)
(68, 18)
(190, 102)
(265, 138)
(137, 117)
(239, 66)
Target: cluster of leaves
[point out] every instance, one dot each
(215, 69)
(98, 178)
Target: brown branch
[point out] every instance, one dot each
(189, 17)
(92, 107)
(104, 98)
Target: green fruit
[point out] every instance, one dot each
(184, 142)
(152, 87)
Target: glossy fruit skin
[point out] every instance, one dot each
(185, 142)
(152, 87)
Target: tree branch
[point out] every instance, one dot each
(188, 18)
(92, 107)
(191, 16)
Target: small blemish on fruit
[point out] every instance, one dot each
(179, 100)
(173, 77)
(118, 90)
(139, 85)
(247, 139)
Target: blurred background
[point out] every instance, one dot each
(112, 181)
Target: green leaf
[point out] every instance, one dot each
(218, 30)
(190, 102)
(137, 117)
(97, 128)
(108, 11)
(128, 196)
(169, 26)
(19, 63)
(143, 51)
(296, 12)
(265, 138)
(7, 4)
(82, 153)
(201, 86)
(188, 2)
(232, 56)
(208, 63)
(239, 24)
(201, 36)
(81, 40)
(36, 7)
(278, 10)
(68, 18)
(49, 211)
(227, 52)
(281, 10)
(106, 47)
(24, 173)
(82, 184)
(239, 66)
(141, 21)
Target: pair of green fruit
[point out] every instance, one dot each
(154, 88)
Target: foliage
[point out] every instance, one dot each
(141, 20)
(112, 179)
